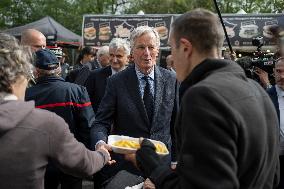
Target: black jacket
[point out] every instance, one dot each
(80, 73)
(68, 100)
(226, 131)
(96, 84)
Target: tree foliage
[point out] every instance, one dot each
(70, 12)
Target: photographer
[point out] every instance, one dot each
(263, 78)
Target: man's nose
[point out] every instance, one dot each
(146, 50)
(114, 59)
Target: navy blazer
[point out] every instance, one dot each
(122, 111)
(273, 95)
(96, 84)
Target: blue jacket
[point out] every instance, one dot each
(68, 100)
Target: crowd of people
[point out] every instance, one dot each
(222, 129)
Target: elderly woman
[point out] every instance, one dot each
(29, 137)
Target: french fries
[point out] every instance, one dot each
(127, 144)
(135, 145)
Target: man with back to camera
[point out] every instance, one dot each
(69, 101)
(119, 52)
(139, 101)
(226, 128)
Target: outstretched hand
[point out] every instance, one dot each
(106, 148)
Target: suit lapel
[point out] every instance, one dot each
(107, 72)
(159, 87)
(133, 88)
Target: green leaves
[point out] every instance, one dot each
(70, 12)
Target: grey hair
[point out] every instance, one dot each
(15, 61)
(117, 43)
(46, 73)
(141, 30)
(103, 50)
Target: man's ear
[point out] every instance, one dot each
(158, 51)
(186, 46)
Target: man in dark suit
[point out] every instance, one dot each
(139, 101)
(276, 94)
(119, 51)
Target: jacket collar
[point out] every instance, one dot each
(49, 79)
(204, 69)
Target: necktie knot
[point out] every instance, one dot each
(145, 78)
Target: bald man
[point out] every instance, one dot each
(33, 38)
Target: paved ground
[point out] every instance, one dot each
(86, 185)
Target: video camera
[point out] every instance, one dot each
(262, 60)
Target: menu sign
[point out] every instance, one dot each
(98, 30)
(241, 29)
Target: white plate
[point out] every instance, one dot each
(123, 150)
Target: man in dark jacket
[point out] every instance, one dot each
(139, 101)
(226, 129)
(119, 52)
(276, 94)
(68, 100)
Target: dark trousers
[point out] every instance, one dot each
(106, 174)
(54, 177)
(281, 184)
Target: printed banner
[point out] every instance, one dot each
(98, 30)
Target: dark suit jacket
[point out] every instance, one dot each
(123, 107)
(273, 95)
(96, 84)
(81, 72)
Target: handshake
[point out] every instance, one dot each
(146, 159)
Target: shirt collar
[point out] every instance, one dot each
(140, 74)
(114, 71)
(279, 91)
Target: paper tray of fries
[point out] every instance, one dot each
(127, 145)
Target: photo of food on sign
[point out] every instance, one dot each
(162, 30)
(89, 31)
(249, 29)
(126, 145)
(104, 31)
(123, 30)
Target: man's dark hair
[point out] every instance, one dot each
(201, 27)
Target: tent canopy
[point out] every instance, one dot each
(53, 31)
